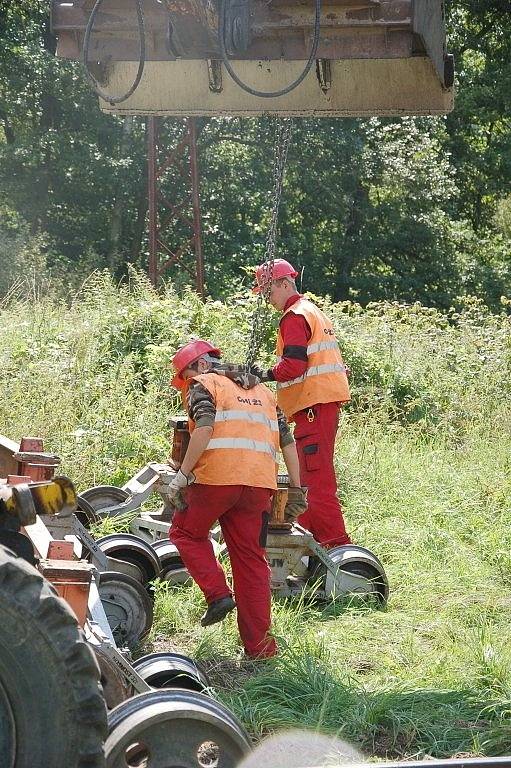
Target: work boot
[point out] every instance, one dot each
(217, 611)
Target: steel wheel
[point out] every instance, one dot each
(171, 670)
(169, 556)
(358, 561)
(85, 512)
(93, 500)
(103, 496)
(128, 607)
(176, 575)
(174, 729)
(132, 549)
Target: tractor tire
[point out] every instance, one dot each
(52, 712)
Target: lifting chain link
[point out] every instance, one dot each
(283, 130)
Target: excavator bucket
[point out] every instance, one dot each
(372, 57)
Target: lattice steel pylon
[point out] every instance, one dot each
(174, 203)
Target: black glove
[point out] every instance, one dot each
(296, 503)
(261, 373)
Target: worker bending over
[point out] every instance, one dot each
(229, 474)
(311, 386)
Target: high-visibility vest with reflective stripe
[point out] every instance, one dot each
(325, 379)
(243, 449)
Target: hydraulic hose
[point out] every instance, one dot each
(266, 94)
(141, 60)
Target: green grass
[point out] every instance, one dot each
(428, 675)
(423, 459)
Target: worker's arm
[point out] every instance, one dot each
(296, 502)
(288, 448)
(202, 411)
(296, 333)
(199, 440)
(292, 465)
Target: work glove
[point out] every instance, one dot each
(296, 503)
(173, 491)
(261, 373)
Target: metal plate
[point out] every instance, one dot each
(359, 88)
(174, 728)
(127, 606)
(171, 670)
(122, 566)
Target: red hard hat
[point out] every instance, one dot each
(281, 268)
(187, 355)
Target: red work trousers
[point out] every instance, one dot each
(242, 512)
(315, 430)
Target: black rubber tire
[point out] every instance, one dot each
(49, 678)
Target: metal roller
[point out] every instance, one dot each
(93, 500)
(172, 727)
(173, 569)
(369, 576)
(85, 512)
(169, 556)
(104, 496)
(171, 670)
(127, 606)
(132, 549)
(177, 575)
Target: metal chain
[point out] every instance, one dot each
(283, 130)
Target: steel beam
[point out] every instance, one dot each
(171, 208)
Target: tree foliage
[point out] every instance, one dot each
(407, 209)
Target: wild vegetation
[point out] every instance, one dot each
(424, 465)
(381, 214)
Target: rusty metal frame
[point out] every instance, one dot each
(182, 159)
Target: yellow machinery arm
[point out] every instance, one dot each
(50, 497)
(373, 57)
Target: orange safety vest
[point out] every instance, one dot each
(325, 379)
(243, 449)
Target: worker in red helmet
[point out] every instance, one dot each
(229, 474)
(312, 385)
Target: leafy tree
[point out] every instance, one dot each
(479, 129)
(62, 160)
(395, 209)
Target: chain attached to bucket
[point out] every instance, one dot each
(283, 130)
